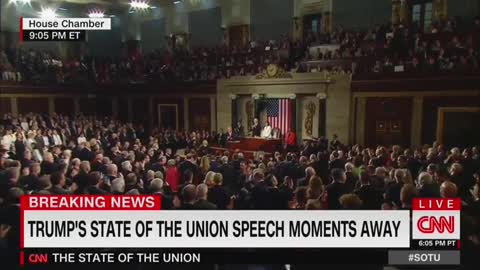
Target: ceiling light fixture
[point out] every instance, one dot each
(23, 2)
(48, 13)
(96, 14)
(176, 2)
(139, 4)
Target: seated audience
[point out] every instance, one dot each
(370, 178)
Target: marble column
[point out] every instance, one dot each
(51, 105)
(76, 105)
(130, 109)
(115, 107)
(361, 106)
(14, 105)
(213, 114)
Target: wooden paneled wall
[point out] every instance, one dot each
(199, 113)
(430, 112)
(388, 120)
(32, 104)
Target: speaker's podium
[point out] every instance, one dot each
(255, 144)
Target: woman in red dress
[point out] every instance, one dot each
(172, 175)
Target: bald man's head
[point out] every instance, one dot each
(188, 193)
(448, 190)
(310, 171)
(202, 191)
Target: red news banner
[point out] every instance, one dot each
(90, 202)
(78, 203)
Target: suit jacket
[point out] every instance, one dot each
(260, 196)
(39, 144)
(93, 190)
(167, 200)
(238, 131)
(303, 182)
(230, 181)
(335, 190)
(29, 182)
(187, 165)
(218, 196)
(58, 191)
(256, 131)
(371, 198)
(187, 206)
(204, 205)
(48, 167)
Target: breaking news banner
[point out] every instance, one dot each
(74, 229)
(60, 29)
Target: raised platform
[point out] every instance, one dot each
(255, 144)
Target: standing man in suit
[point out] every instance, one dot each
(39, 143)
(336, 189)
(230, 135)
(256, 129)
(202, 203)
(238, 130)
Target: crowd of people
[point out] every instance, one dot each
(172, 64)
(447, 46)
(58, 155)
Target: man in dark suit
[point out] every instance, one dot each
(238, 130)
(156, 186)
(189, 164)
(217, 194)
(26, 159)
(85, 153)
(39, 143)
(371, 198)
(256, 129)
(186, 179)
(260, 198)
(188, 194)
(335, 143)
(309, 173)
(96, 181)
(427, 188)
(202, 203)
(393, 189)
(230, 136)
(336, 189)
(351, 178)
(48, 165)
(31, 181)
(229, 177)
(58, 182)
(82, 178)
(336, 162)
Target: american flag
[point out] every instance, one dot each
(279, 114)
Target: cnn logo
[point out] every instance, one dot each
(436, 219)
(432, 224)
(38, 258)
